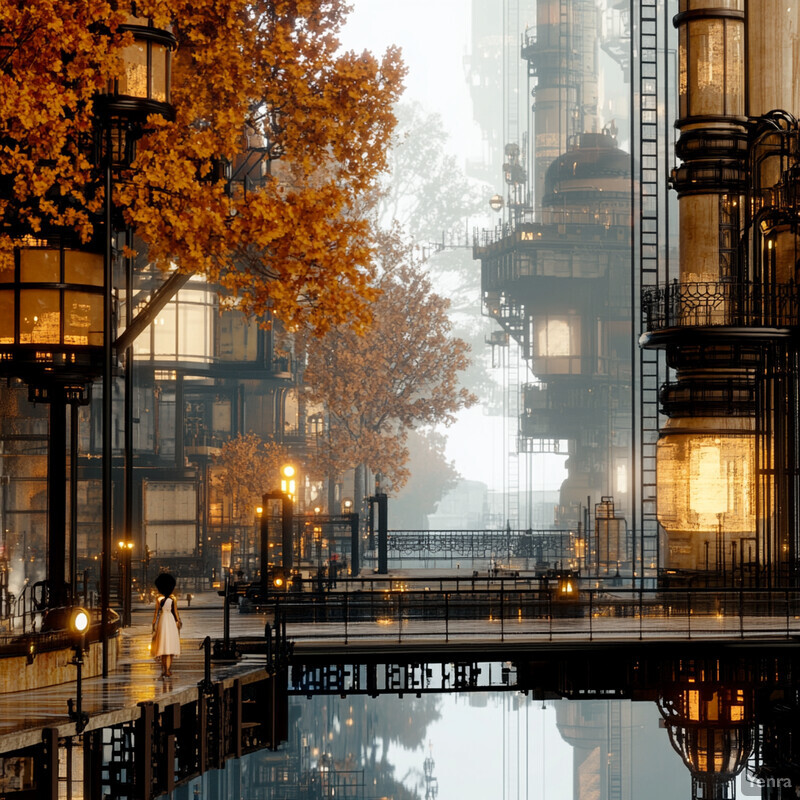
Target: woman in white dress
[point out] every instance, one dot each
(166, 636)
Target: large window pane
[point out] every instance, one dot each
(83, 319)
(194, 332)
(83, 267)
(7, 317)
(734, 67)
(158, 78)
(706, 66)
(134, 80)
(39, 317)
(39, 266)
(164, 344)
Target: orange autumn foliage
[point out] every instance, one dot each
(402, 374)
(267, 68)
(244, 469)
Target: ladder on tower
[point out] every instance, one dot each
(651, 248)
(514, 356)
(614, 766)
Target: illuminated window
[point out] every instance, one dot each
(556, 343)
(183, 329)
(554, 338)
(706, 478)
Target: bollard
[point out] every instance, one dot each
(226, 619)
(205, 684)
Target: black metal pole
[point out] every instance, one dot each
(371, 523)
(57, 498)
(105, 550)
(287, 515)
(73, 502)
(355, 566)
(128, 453)
(264, 544)
(383, 534)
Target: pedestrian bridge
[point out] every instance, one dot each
(433, 610)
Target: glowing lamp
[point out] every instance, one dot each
(706, 471)
(288, 484)
(557, 344)
(78, 620)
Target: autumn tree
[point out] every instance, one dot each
(403, 373)
(428, 194)
(270, 69)
(243, 470)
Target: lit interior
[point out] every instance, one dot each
(705, 481)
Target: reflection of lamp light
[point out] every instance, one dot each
(710, 728)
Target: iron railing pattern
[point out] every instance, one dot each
(709, 304)
(480, 543)
(526, 610)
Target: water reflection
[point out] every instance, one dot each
(688, 728)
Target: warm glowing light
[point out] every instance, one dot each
(79, 620)
(622, 479)
(705, 476)
(554, 338)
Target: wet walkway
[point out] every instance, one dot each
(137, 678)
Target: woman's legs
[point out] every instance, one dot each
(168, 664)
(164, 666)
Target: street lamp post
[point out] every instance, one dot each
(124, 555)
(142, 89)
(78, 625)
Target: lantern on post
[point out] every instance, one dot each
(142, 89)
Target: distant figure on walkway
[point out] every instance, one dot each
(166, 625)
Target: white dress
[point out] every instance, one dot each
(167, 640)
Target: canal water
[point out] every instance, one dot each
(692, 739)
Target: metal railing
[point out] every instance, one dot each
(32, 642)
(22, 613)
(525, 543)
(675, 305)
(509, 612)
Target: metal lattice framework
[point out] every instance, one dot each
(544, 545)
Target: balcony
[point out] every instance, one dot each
(756, 308)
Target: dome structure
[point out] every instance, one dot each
(592, 170)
